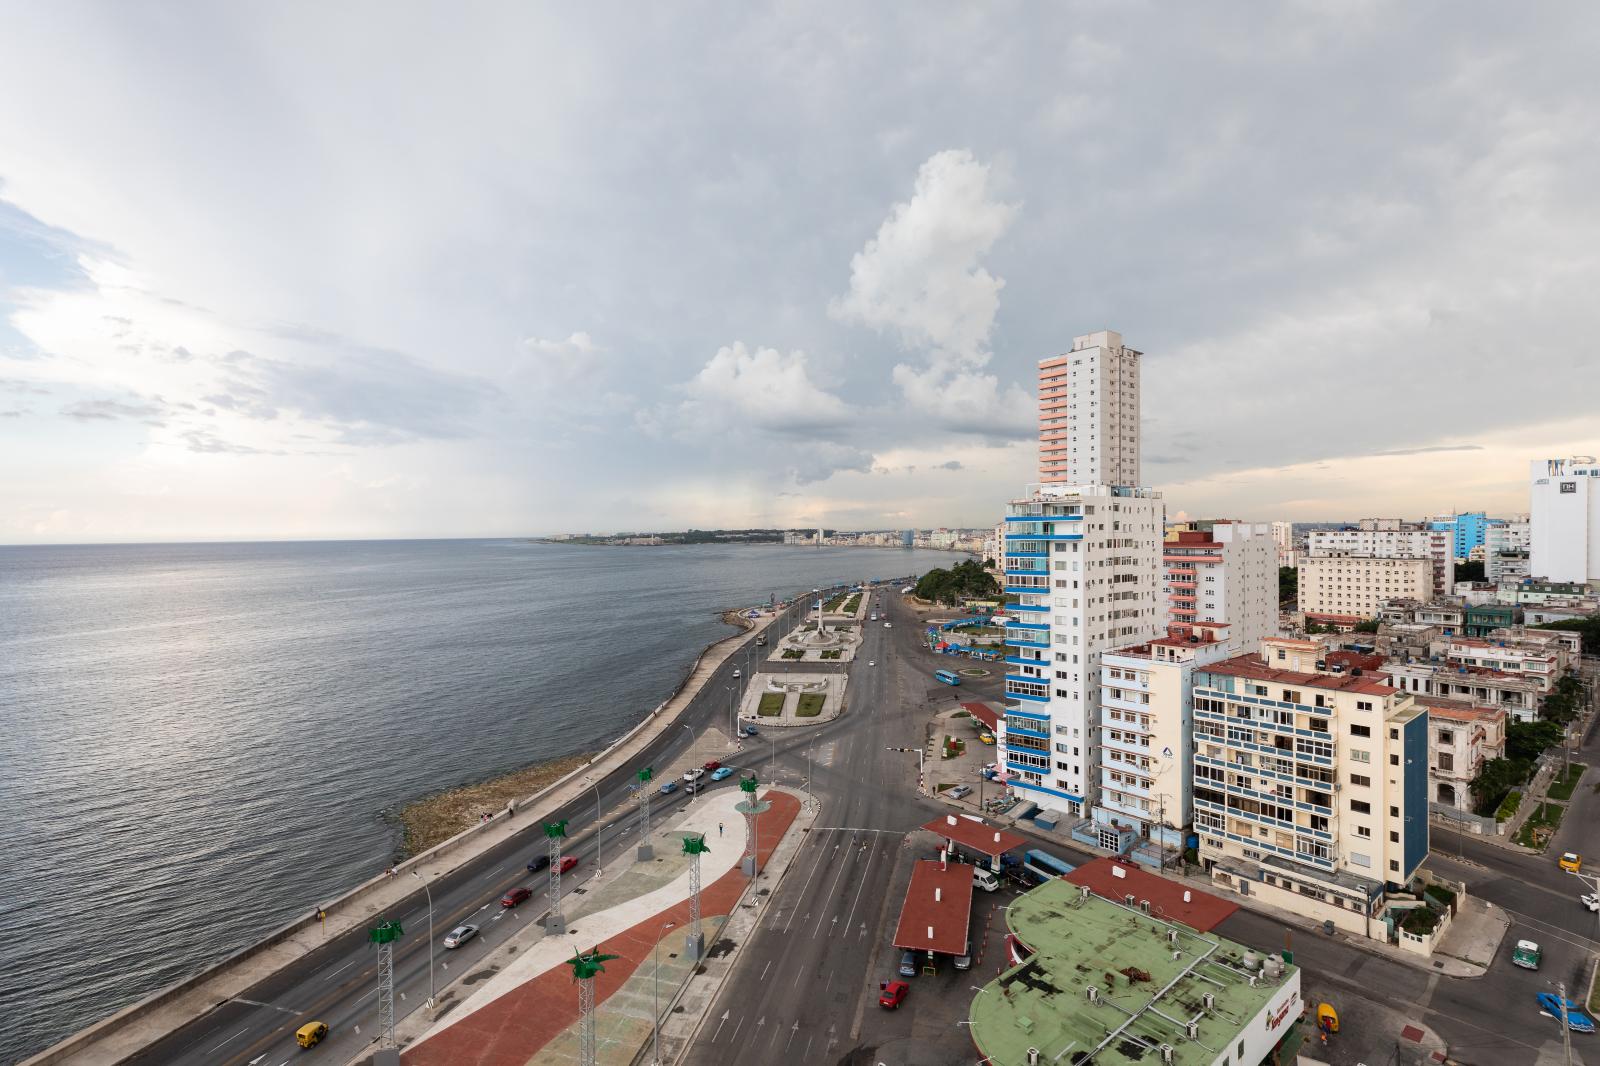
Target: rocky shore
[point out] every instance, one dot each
(437, 818)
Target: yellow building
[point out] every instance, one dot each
(1358, 585)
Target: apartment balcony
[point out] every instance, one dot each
(1180, 582)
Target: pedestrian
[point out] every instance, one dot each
(719, 829)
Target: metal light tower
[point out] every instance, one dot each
(385, 936)
(646, 852)
(555, 832)
(584, 967)
(694, 941)
(750, 807)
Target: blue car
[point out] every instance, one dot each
(750, 730)
(720, 772)
(1577, 1020)
(668, 787)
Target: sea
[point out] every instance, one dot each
(199, 742)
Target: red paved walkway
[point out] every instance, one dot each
(512, 1029)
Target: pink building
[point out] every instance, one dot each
(1089, 413)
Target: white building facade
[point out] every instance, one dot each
(1089, 413)
(1564, 519)
(1226, 573)
(1383, 542)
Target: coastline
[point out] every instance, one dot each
(433, 819)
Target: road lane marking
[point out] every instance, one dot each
(235, 1036)
(765, 968)
(269, 1006)
(341, 969)
(801, 896)
(870, 856)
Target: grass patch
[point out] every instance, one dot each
(1540, 826)
(771, 704)
(851, 604)
(1508, 806)
(811, 705)
(793, 653)
(1561, 788)
(1442, 894)
(832, 654)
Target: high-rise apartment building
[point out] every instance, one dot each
(1310, 788)
(1356, 586)
(1082, 571)
(1505, 550)
(1283, 534)
(1564, 519)
(1089, 413)
(1391, 539)
(1223, 571)
(1466, 530)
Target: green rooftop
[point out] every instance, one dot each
(1149, 976)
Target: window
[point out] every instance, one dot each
(1361, 806)
(1360, 731)
(1447, 761)
(1360, 756)
(1394, 760)
(1394, 812)
(1394, 734)
(1446, 737)
(1363, 831)
(1394, 866)
(1394, 838)
(1361, 780)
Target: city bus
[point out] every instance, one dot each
(947, 676)
(1042, 866)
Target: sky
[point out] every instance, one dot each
(303, 270)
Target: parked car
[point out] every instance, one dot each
(515, 896)
(892, 993)
(958, 791)
(694, 775)
(667, 789)
(1571, 862)
(1527, 955)
(460, 935)
(568, 863)
(1553, 1005)
(1590, 900)
(963, 962)
(750, 730)
(721, 772)
(908, 964)
(537, 863)
(711, 765)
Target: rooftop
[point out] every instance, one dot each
(975, 834)
(1457, 711)
(1254, 668)
(937, 912)
(983, 713)
(1148, 977)
(1113, 879)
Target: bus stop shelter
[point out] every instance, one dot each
(975, 836)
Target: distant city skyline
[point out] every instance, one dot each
(296, 273)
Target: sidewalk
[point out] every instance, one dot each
(125, 1033)
(529, 1010)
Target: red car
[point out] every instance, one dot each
(568, 863)
(515, 896)
(892, 994)
(712, 765)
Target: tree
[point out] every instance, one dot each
(1369, 626)
(966, 580)
(1470, 571)
(1497, 777)
(1288, 583)
(1526, 741)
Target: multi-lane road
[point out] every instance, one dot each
(337, 983)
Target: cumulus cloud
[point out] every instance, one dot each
(922, 279)
(579, 343)
(763, 388)
(111, 410)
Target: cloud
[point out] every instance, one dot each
(110, 410)
(579, 343)
(1430, 450)
(953, 464)
(200, 440)
(762, 389)
(921, 279)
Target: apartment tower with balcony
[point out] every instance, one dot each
(1082, 571)
(1223, 571)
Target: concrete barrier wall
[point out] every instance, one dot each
(78, 1042)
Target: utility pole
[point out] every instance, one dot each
(584, 968)
(385, 936)
(554, 832)
(750, 807)
(646, 851)
(694, 941)
(1566, 1034)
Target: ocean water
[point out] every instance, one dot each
(199, 742)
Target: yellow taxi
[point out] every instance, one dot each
(1571, 862)
(310, 1034)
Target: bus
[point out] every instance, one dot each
(946, 676)
(1042, 866)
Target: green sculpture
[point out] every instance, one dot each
(387, 933)
(748, 784)
(696, 845)
(555, 830)
(584, 967)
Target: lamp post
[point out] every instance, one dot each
(655, 996)
(599, 827)
(694, 753)
(426, 888)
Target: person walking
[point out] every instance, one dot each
(719, 829)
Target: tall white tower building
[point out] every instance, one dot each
(1564, 519)
(1082, 568)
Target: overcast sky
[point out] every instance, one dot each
(330, 270)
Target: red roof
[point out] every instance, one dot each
(976, 835)
(983, 713)
(1354, 659)
(1114, 879)
(937, 913)
(1253, 667)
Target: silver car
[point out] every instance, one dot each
(460, 935)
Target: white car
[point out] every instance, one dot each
(872, 662)
(694, 775)
(888, 625)
(1591, 901)
(736, 672)
(460, 935)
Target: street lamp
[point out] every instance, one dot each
(655, 995)
(694, 754)
(599, 827)
(429, 891)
